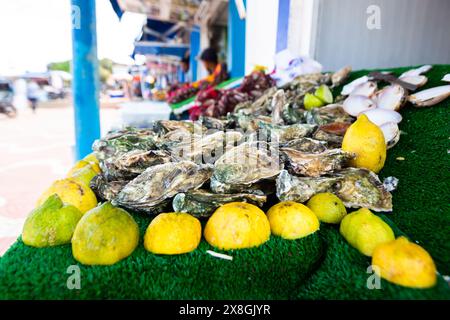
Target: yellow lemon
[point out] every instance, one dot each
(104, 236)
(237, 225)
(84, 175)
(405, 263)
(71, 192)
(81, 164)
(173, 233)
(50, 224)
(366, 140)
(327, 207)
(365, 231)
(292, 220)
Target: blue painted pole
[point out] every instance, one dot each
(283, 24)
(236, 41)
(194, 52)
(85, 83)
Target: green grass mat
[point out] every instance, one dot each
(320, 266)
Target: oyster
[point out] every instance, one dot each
(391, 97)
(249, 123)
(361, 188)
(357, 188)
(316, 164)
(354, 105)
(328, 114)
(278, 104)
(213, 123)
(348, 88)
(292, 114)
(164, 126)
(104, 189)
(366, 89)
(306, 145)
(340, 76)
(332, 133)
(244, 165)
(119, 142)
(132, 163)
(202, 203)
(301, 189)
(260, 106)
(391, 133)
(286, 133)
(153, 188)
(207, 148)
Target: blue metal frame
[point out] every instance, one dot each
(85, 82)
(283, 24)
(194, 52)
(236, 41)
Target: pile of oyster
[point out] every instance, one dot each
(271, 147)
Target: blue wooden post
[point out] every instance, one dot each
(236, 41)
(283, 24)
(85, 83)
(194, 52)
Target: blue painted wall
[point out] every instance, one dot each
(283, 24)
(236, 41)
(195, 51)
(85, 82)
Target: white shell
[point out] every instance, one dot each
(339, 76)
(416, 72)
(354, 105)
(390, 97)
(381, 116)
(366, 89)
(430, 96)
(348, 88)
(446, 77)
(391, 133)
(415, 80)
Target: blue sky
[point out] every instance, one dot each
(36, 32)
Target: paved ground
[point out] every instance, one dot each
(35, 149)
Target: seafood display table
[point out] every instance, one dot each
(141, 113)
(321, 266)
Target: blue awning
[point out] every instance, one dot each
(117, 9)
(160, 48)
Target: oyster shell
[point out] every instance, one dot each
(316, 164)
(356, 188)
(306, 145)
(354, 104)
(328, 114)
(132, 163)
(213, 123)
(430, 97)
(301, 189)
(260, 106)
(104, 189)
(164, 126)
(202, 203)
(361, 188)
(332, 133)
(340, 76)
(278, 104)
(122, 141)
(286, 133)
(391, 97)
(366, 89)
(348, 88)
(208, 148)
(244, 165)
(391, 133)
(156, 185)
(249, 123)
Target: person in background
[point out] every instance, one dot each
(217, 72)
(33, 94)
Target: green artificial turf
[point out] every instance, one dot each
(321, 266)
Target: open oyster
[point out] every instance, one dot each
(244, 165)
(332, 133)
(151, 189)
(202, 203)
(315, 164)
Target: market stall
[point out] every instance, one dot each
(317, 261)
